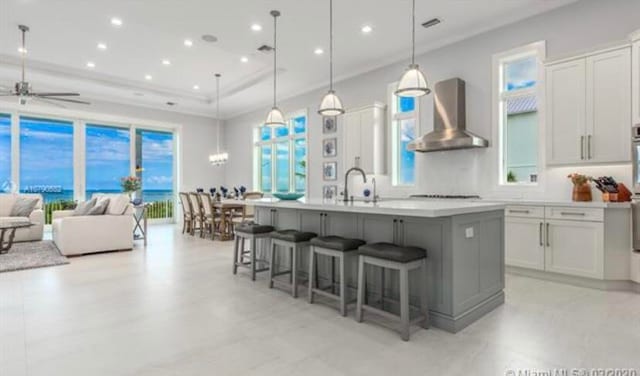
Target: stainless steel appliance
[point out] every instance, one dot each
(635, 158)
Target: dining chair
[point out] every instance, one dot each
(187, 212)
(196, 206)
(249, 210)
(211, 217)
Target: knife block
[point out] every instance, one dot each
(623, 195)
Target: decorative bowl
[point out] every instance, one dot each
(290, 196)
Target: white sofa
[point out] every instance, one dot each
(77, 235)
(33, 233)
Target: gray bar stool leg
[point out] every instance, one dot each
(404, 304)
(253, 258)
(362, 280)
(424, 295)
(294, 271)
(312, 273)
(236, 252)
(272, 263)
(343, 286)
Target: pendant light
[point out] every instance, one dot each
(331, 105)
(219, 158)
(275, 118)
(413, 83)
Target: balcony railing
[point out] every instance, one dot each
(156, 209)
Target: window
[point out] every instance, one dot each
(5, 152)
(518, 85)
(108, 151)
(281, 156)
(46, 161)
(154, 166)
(404, 129)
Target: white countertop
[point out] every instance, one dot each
(412, 208)
(577, 204)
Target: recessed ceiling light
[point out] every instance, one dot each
(244, 59)
(148, 77)
(166, 62)
(117, 22)
(102, 46)
(91, 64)
(366, 29)
(196, 87)
(318, 51)
(256, 27)
(188, 42)
(22, 50)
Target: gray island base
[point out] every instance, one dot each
(464, 242)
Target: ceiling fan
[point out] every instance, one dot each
(23, 91)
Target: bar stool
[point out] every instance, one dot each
(404, 260)
(252, 232)
(293, 241)
(334, 247)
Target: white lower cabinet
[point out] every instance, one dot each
(575, 248)
(524, 244)
(535, 239)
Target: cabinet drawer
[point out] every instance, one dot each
(524, 211)
(575, 214)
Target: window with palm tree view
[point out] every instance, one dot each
(281, 156)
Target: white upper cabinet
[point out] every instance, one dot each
(636, 78)
(363, 139)
(589, 108)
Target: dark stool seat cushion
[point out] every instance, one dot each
(254, 228)
(293, 236)
(392, 252)
(337, 243)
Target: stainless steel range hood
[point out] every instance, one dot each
(449, 121)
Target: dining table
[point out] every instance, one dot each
(228, 208)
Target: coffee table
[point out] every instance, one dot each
(8, 232)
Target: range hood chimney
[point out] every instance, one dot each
(449, 121)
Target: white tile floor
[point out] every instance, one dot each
(176, 309)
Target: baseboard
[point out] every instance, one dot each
(456, 324)
(606, 285)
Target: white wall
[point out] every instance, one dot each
(196, 138)
(576, 27)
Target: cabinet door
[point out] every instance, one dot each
(378, 228)
(524, 242)
(367, 141)
(341, 224)
(264, 216)
(608, 114)
(566, 100)
(351, 139)
(636, 82)
(575, 248)
(310, 221)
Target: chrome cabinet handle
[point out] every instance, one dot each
(589, 147)
(395, 231)
(519, 211)
(540, 235)
(582, 147)
(402, 231)
(547, 234)
(577, 214)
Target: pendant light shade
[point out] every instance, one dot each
(413, 83)
(331, 105)
(218, 158)
(275, 118)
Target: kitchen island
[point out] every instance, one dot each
(464, 243)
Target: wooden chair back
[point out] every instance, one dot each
(249, 210)
(207, 203)
(194, 198)
(187, 210)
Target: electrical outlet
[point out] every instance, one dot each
(468, 232)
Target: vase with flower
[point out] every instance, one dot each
(130, 185)
(581, 187)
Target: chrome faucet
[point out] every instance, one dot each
(375, 190)
(346, 181)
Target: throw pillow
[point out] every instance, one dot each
(23, 206)
(118, 204)
(100, 207)
(83, 207)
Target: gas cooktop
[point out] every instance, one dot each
(447, 197)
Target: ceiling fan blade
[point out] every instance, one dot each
(61, 99)
(56, 94)
(44, 100)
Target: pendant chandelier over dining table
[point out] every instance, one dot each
(275, 118)
(219, 158)
(331, 105)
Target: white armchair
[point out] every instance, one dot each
(76, 235)
(32, 233)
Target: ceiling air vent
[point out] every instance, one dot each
(265, 49)
(431, 22)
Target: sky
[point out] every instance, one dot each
(46, 155)
(298, 126)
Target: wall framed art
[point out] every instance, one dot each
(329, 124)
(330, 192)
(330, 147)
(330, 171)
